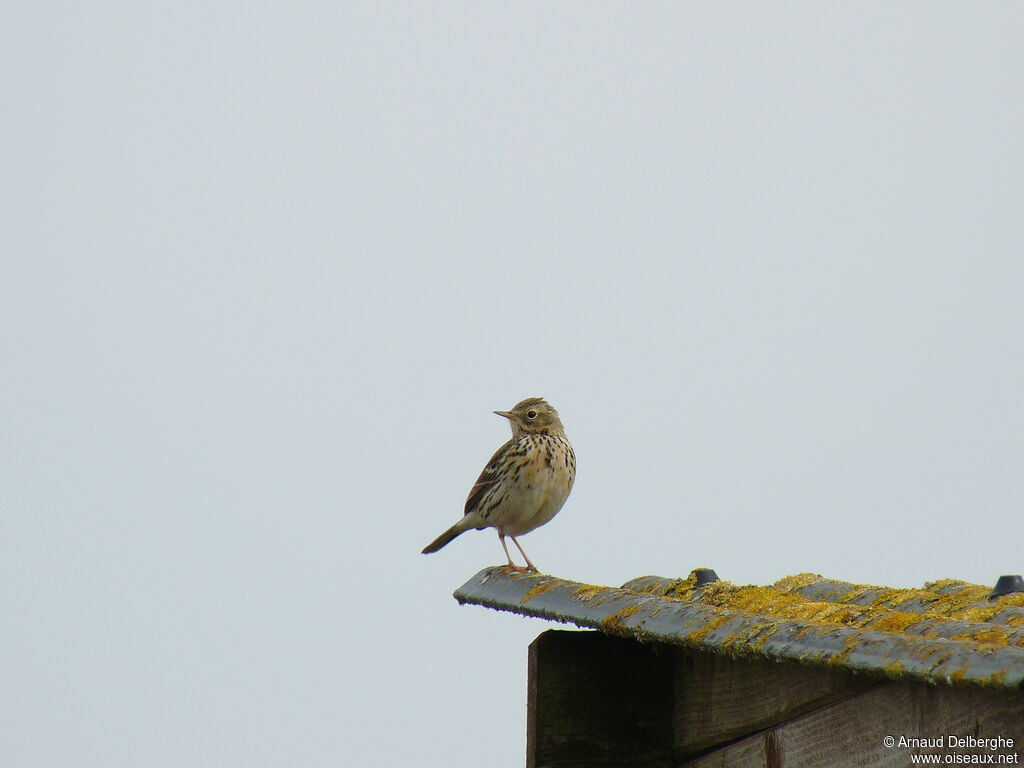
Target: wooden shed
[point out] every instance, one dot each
(803, 672)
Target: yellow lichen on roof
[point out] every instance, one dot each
(974, 591)
(710, 626)
(791, 583)
(970, 603)
(894, 670)
(615, 624)
(959, 673)
(893, 621)
(540, 589)
(839, 658)
(997, 678)
(994, 634)
(750, 638)
(768, 601)
(861, 606)
(999, 604)
(683, 589)
(589, 592)
(937, 634)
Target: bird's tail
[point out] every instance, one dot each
(446, 537)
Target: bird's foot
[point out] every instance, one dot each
(513, 568)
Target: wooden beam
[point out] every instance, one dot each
(853, 731)
(718, 699)
(596, 700)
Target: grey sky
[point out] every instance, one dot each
(267, 269)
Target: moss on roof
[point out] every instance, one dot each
(946, 632)
(924, 612)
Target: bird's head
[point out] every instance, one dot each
(533, 416)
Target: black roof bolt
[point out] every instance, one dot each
(708, 575)
(1007, 585)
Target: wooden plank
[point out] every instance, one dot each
(718, 699)
(596, 700)
(852, 732)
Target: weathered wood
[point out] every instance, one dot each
(852, 732)
(718, 699)
(596, 700)
(601, 701)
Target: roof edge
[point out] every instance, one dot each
(648, 618)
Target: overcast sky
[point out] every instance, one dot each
(268, 268)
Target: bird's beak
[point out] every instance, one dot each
(506, 414)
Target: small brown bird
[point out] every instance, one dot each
(525, 483)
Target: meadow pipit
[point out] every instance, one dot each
(524, 484)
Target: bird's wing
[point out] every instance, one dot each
(489, 477)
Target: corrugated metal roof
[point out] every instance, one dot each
(946, 632)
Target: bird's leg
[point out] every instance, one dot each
(511, 566)
(529, 566)
(507, 555)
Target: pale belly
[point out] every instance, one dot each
(536, 499)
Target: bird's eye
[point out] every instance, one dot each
(531, 415)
